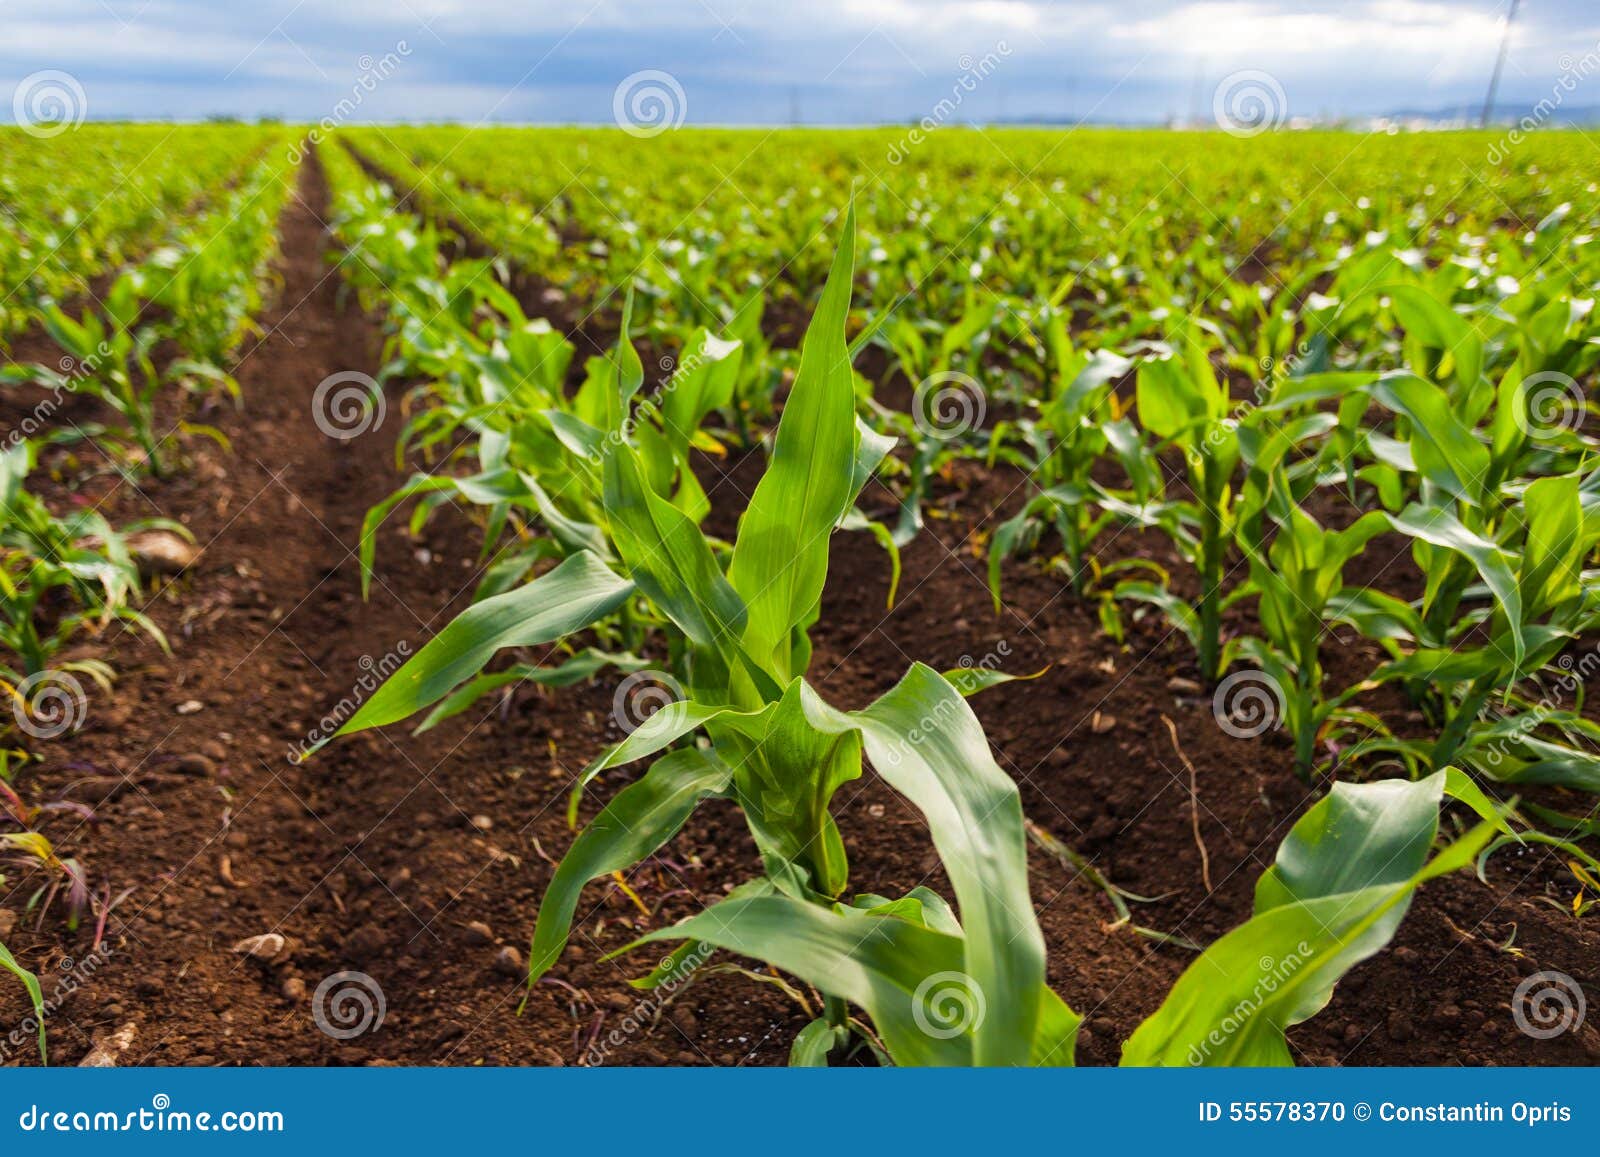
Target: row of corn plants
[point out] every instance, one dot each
(171, 320)
(609, 546)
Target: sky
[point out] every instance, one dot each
(765, 62)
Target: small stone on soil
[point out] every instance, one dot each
(508, 961)
(272, 947)
(195, 764)
(478, 933)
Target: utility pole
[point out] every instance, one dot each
(1499, 64)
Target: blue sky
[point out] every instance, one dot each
(748, 61)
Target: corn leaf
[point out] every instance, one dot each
(35, 993)
(923, 738)
(639, 820)
(577, 593)
(780, 558)
(1340, 886)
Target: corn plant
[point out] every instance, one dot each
(1080, 423)
(943, 408)
(59, 576)
(1543, 599)
(30, 984)
(111, 356)
(1183, 404)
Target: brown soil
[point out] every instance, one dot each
(420, 861)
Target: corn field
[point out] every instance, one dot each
(815, 597)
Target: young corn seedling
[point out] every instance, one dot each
(59, 576)
(1079, 424)
(1184, 405)
(30, 984)
(1297, 574)
(1542, 600)
(947, 404)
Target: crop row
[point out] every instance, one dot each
(161, 337)
(1436, 425)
